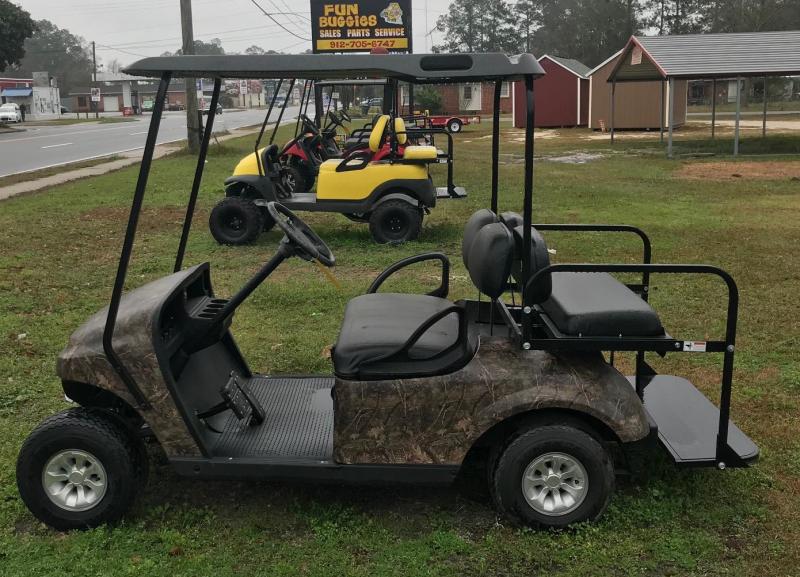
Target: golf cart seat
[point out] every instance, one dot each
(392, 335)
(414, 153)
(583, 304)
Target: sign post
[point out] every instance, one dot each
(361, 25)
(95, 97)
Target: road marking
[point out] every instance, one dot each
(56, 145)
(138, 133)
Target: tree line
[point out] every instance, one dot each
(592, 30)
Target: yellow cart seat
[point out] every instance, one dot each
(420, 153)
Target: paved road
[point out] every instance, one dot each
(46, 146)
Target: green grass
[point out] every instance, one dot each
(58, 253)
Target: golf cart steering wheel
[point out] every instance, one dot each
(306, 242)
(344, 115)
(311, 127)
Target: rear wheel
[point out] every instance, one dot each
(395, 222)
(80, 468)
(235, 221)
(454, 125)
(552, 476)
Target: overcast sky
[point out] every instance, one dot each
(129, 29)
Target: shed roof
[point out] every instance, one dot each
(574, 66)
(11, 92)
(425, 68)
(709, 56)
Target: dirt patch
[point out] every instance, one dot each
(732, 171)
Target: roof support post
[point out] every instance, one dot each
(738, 115)
(671, 120)
(498, 86)
(127, 244)
(613, 108)
(198, 174)
(661, 112)
(764, 124)
(527, 212)
(713, 109)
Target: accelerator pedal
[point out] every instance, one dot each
(237, 397)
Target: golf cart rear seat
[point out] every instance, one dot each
(391, 335)
(581, 304)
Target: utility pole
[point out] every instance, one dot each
(96, 105)
(192, 119)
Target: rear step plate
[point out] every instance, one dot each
(458, 192)
(687, 423)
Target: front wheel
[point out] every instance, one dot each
(552, 476)
(80, 468)
(395, 222)
(236, 220)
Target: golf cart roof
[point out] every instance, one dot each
(422, 68)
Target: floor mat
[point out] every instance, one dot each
(298, 423)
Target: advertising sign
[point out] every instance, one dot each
(95, 94)
(361, 25)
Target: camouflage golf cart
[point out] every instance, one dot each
(420, 387)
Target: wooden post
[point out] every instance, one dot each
(764, 125)
(713, 108)
(661, 113)
(671, 115)
(192, 120)
(738, 115)
(613, 108)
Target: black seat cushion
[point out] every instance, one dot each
(490, 259)
(598, 305)
(476, 222)
(379, 324)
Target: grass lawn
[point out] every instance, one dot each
(59, 250)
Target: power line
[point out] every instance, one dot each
(268, 15)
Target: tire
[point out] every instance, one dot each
(395, 222)
(549, 449)
(235, 221)
(61, 441)
(293, 179)
(454, 125)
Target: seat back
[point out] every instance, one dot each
(400, 131)
(490, 258)
(378, 133)
(476, 222)
(540, 258)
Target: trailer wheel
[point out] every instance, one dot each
(552, 476)
(80, 468)
(395, 222)
(454, 125)
(235, 221)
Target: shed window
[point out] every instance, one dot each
(468, 92)
(81, 101)
(505, 90)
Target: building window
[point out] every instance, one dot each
(505, 90)
(81, 101)
(468, 92)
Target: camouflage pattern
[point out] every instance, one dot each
(85, 361)
(438, 419)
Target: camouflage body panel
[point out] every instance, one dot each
(438, 419)
(84, 360)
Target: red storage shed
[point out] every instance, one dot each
(562, 95)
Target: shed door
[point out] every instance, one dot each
(469, 97)
(111, 103)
